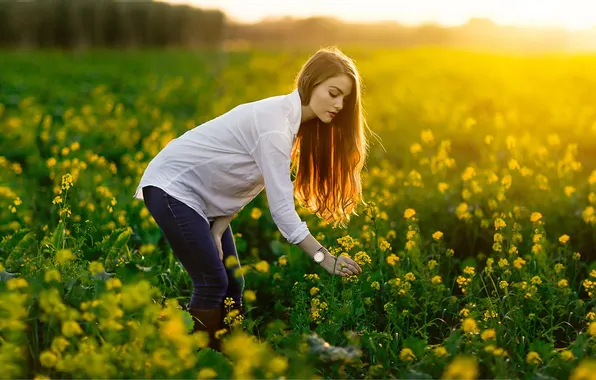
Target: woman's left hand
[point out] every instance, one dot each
(217, 240)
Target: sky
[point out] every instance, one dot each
(570, 14)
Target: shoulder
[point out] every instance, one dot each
(272, 114)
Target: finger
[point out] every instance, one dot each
(355, 265)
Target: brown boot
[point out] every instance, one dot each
(208, 320)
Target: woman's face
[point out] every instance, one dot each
(328, 98)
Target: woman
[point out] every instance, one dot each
(200, 180)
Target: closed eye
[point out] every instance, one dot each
(333, 95)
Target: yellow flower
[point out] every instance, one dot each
(533, 358)
(375, 285)
(519, 262)
(564, 239)
(64, 255)
(256, 213)
(113, 283)
(392, 259)
(278, 365)
(427, 136)
(362, 258)
(95, 267)
(469, 326)
(562, 283)
(462, 367)
(48, 359)
(249, 296)
(71, 328)
(409, 213)
(442, 187)
(503, 284)
(52, 275)
(66, 181)
(16, 283)
(410, 276)
(406, 355)
(262, 266)
(500, 223)
(567, 355)
(488, 334)
(592, 329)
(231, 262)
(313, 291)
(437, 235)
(283, 261)
(436, 280)
(585, 370)
(415, 148)
(440, 351)
(206, 373)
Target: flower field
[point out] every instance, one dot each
(477, 241)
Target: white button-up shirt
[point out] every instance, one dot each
(219, 166)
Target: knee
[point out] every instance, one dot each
(212, 284)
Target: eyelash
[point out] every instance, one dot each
(333, 96)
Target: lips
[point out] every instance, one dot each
(332, 114)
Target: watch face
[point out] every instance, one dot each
(319, 256)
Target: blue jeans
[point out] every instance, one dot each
(189, 236)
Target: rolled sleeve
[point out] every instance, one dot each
(272, 156)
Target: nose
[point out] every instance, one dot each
(339, 106)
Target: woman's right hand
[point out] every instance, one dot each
(340, 266)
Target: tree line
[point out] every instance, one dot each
(106, 23)
(145, 23)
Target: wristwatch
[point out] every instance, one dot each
(319, 255)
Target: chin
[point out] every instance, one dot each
(327, 119)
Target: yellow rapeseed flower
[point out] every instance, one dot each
(440, 351)
(410, 212)
(567, 355)
(533, 358)
(462, 367)
(362, 258)
(71, 328)
(262, 266)
(249, 296)
(592, 329)
(95, 267)
(392, 259)
(206, 373)
(585, 370)
(488, 334)
(438, 235)
(256, 213)
(564, 239)
(406, 355)
(48, 359)
(64, 255)
(469, 326)
(52, 275)
(278, 365)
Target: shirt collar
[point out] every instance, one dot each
(296, 111)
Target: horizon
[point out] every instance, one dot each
(573, 15)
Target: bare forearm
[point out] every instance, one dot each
(221, 223)
(309, 245)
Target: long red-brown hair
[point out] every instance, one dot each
(328, 158)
